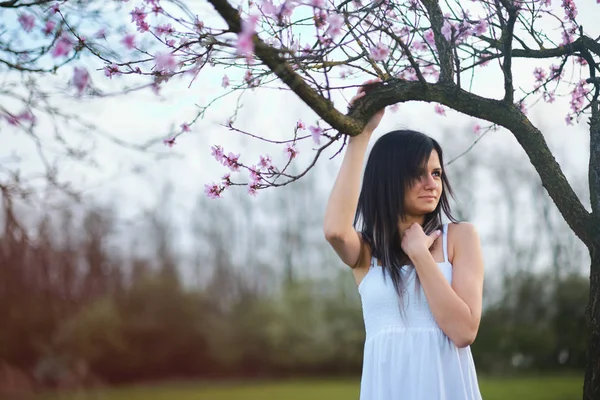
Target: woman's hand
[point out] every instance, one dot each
(376, 118)
(415, 242)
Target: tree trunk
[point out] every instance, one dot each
(591, 386)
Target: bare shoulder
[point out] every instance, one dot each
(462, 236)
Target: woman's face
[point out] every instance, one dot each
(424, 194)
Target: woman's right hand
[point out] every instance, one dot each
(376, 118)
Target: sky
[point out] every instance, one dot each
(135, 179)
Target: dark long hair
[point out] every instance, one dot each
(394, 164)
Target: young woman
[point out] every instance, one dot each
(420, 281)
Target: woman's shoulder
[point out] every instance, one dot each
(461, 234)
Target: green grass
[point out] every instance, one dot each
(539, 388)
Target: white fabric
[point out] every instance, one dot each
(406, 354)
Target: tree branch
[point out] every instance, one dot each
(270, 57)
(507, 39)
(507, 115)
(443, 47)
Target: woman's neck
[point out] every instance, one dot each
(404, 224)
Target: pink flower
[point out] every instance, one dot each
(336, 22)
(81, 79)
(165, 61)
(49, 27)
(523, 107)
(27, 22)
(291, 151)
(429, 37)
(225, 81)
(217, 153)
(477, 129)
(447, 30)
(549, 97)
(316, 133)
(231, 161)
(569, 119)
(26, 115)
(317, 3)
(265, 162)
(213, 191)
(129, 41)
(112, 69)
(226, 180)
(380, 53)
(255, 175)
(100, 34)
(63, 47)
(185, 127)
(55, 8)
(245, 43)
(169, 142)
(480, 28)
(300, 125)
(539, 74)
(440, 109)
(166, 29)
(252, 189)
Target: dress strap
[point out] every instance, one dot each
(445, 241)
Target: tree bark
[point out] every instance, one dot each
(591, 386)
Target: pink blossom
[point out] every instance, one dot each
(380, 53)
(569, 119)
(300, 125)
(101, 34)
(27, 22)
(429, 37)
(81, 78)
(578, 96)
(165, 61)
(317, 3)
(217, 153)
(549, 97)
(166, 29)
(336, 22)
(316, 133)
(169, 142)
(439, 109)
(291, 151)
(225, 81)
(539, 74)
(112, 69)
(49, 27)
(26, 115)
(480, 28)
(231, 161)
(245, 43)
(55, 8)
(268, 8)
(63, 47)
(447, 30)
(185, 127)
(477, 129)
(226, 180)
(129, 41)
(252, 189)
(570, 9)
(523, 107)
(213, 190)
(138, 15)
(265, 162)
(320, 18)
(254, 174)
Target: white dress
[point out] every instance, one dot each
(407, 356)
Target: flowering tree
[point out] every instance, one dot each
(421, 50)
